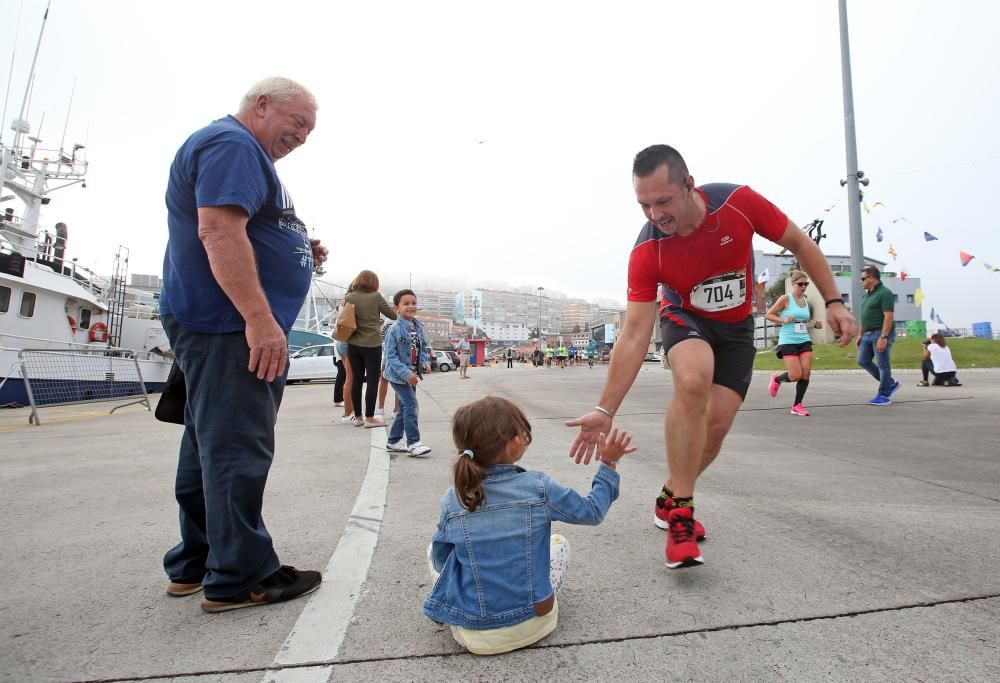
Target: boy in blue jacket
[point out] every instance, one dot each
(407, 357)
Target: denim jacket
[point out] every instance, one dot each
(396, 350)
(494, 562)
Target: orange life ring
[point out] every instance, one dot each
(99, 332)
(72, 324)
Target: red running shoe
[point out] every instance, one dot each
(661, 518)
(682, 549)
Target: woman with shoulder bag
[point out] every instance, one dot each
(364, 347)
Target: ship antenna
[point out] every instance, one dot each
(34, 61)
(68, 110)
(10, 76)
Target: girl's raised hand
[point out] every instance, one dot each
(615, 444)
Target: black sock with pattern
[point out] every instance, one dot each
(665, 495)
(684, 502)
(783, 377)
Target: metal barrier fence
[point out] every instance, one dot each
(62, 376)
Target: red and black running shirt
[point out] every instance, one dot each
(709, 272)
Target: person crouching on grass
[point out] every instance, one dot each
(407, 357)
(496, 568)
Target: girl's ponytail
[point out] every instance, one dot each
(469, 482)
(481, 431)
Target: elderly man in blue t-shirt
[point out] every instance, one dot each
(237, 269)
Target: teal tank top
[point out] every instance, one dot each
(789, 334)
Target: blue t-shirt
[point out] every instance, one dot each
(223, 165)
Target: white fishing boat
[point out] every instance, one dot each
(47, 301)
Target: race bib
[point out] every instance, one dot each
(720, 293)
(800, 328)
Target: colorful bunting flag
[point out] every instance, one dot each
(918, 296)
(903, 275)
(878, 204)
(932, 314)
(966, 258)
(865, 206)
(764, 277)
(892, 251)
(878, 235)
(901, 218)
(991, 269)
(929, 237)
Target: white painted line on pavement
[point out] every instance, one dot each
(320, 629)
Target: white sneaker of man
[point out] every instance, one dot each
(396, 447)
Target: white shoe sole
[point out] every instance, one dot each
(396, 449)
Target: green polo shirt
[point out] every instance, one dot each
(874, 306)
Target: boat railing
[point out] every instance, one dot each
(44, 253)
(55, 164)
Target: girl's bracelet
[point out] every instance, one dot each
(604, 410)
(609, 463)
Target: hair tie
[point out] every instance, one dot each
(468, 453)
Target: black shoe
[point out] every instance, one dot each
(285, 584)
(954, 382)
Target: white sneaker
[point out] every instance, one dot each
(379, 412)
(418, 449)
(347, 419)
(396, 447)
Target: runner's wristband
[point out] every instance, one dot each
(838, 300)
(604, 410)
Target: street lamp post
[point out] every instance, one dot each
(540, 316)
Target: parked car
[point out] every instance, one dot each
(442, 360)
(312, 363)
(653, 357)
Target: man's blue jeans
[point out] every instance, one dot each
(225, 455)
(880, 369)
(406, 418)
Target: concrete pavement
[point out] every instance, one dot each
(860, 543)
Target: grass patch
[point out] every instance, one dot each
(968, 352)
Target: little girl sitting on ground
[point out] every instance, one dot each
(496, 568)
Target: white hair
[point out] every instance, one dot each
(278, 89)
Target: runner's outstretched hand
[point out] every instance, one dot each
(587, 442)
(842, 323)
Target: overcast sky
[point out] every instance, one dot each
(494, 141)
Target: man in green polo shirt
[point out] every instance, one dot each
(878, 334)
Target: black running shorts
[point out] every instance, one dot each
(732, 344)
(791, 350)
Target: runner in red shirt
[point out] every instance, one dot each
(697, 245)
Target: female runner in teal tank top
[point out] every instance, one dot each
(792, 312)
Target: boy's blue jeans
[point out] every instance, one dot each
(880, 369)
(225, 455)
(406, 418)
